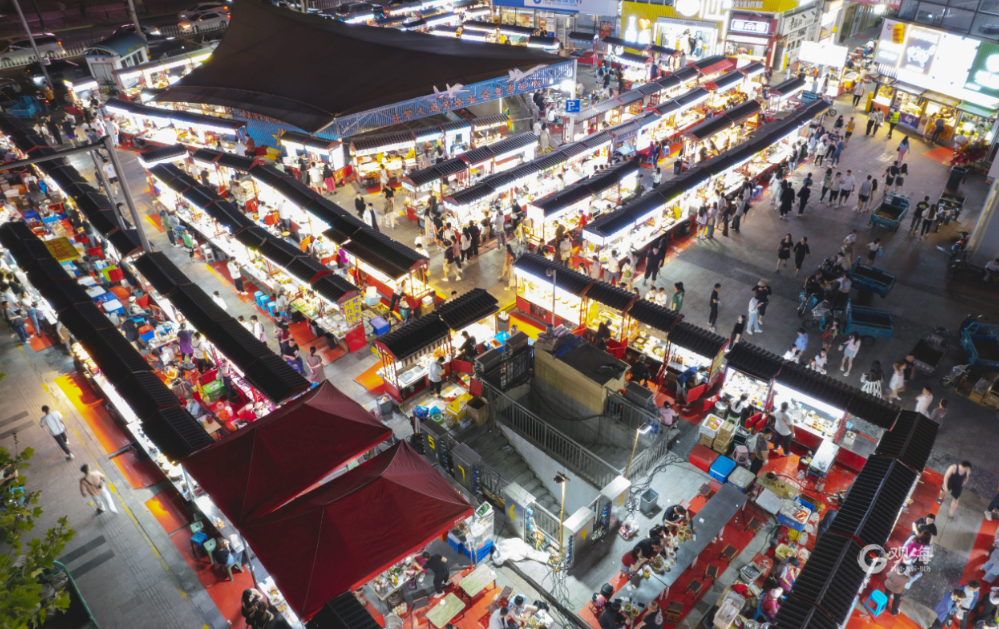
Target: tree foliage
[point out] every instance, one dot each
(25, 599)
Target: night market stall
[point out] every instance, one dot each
(407, 352)
(550, 292)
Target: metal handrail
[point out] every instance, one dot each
(554, 442)
(647, 459)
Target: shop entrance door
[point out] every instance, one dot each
(696, 39)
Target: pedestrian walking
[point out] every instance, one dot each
(359, 205)
(762, 291)
(878, 121)
(897, 381)
(893, 118)
(94, 485)
(786, 199)
(873, 250)
(947, 609)
(850, 349)
(874, 191)
(846, 188)
(784, 248)
(834, 189)
(858, 92)
(870, 382)
(903, 170)
(917, 214)
(237, 277)
(923, 401)
(903, 149)
(52, 420)
(257, 329)
(872, 118)
(838, 152)
(713, 304)
(890, 173)
(739, 214)
(928, 219)
(954, 480)
(895, 586)
(370, 217)
(784, 427)
(820, 151)
(800, 344)
(753, 323)
(652, 263)
(863, 194)
(827, 181)
(801, 251)
(850, 126)
(451, 260)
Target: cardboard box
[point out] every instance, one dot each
(707, 441)
(478, 410)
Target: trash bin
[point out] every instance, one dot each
(678, 167)
(957, 177)
(502, 322)
(385, 406)
(649, 501)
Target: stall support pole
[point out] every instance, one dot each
(134, 211)
(31, 38)
(107, 187)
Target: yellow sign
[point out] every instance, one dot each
(705, 10)
(62, 249)
(352, 311)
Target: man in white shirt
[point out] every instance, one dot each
(784, 427)
(857, 93)
(991, 269)
(435, 374)
(221, 302)
(537, 128)
(846, 188)
(53, 421)
(257, 329)
(198, 348)
(923, 402)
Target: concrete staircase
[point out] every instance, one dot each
(499, 454)
(615, 455)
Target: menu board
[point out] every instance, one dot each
(352, 311)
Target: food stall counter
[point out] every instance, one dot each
(648, 326)
(604, 303)
(694, 347)
(750, 370)
(817, 403)
(406, 353)
(535, 286)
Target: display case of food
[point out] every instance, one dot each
(750, 370)
(473, 313)
(395, 152)
(648, 325)
(817, 403)
(406, 353)
(608, 304)
(541, 282)
(691, 347)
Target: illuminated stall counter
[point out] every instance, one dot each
(406, 353)
(750, 371)
(648, 325)
(691, 347)
(543, 285)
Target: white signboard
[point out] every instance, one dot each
(823, 54)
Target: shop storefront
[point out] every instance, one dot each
(544, 286)
(691, 347)
(797, 27)
(751, 38)
(648, 325)
(749, 375)
(406, 354)
(608, 305)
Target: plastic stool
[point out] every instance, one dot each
(197, 540)
(880, 602)
(760, 616)
(209, 546)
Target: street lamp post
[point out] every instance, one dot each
(552, 273)
(644, 430)
(561, 479)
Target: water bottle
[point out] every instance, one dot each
(801, 474)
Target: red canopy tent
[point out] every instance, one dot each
(286, 453)
(345, 532)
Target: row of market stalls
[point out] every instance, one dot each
(642, 331)
(261, 466)
(143, 125)
(664, 211)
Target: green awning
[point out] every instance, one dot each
(976, 110)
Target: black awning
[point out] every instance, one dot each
(253, 237)
(572, 150)
(687, 73)
(206, 155)
(83, 320)
(228, 215)
(452, 167)
(308, 141)
(696, 94)
(753, 68)
(565, 278)
(334, 287)
(296, 192)
(698, 340)
(577, 36)
(633, 59)
(813, 384)
(478, 155)
(545, 162)
(324, 209)
(392, 258)
(162, 154)
(597, 140)
(647, 89)
(66, 176)
(104, 221)
(279, 251)
(754, 361)
(717, 165)
(456, 125)
(708, 128)
(910, 440)
(789, 86)
(236, 162)
(486, 122)
(199, 196)
(372, 143)
(727, 80)
(90, 203)
(44, 271)
(145, 394)
(611, 296)
(812, 110)
(273, 377)
(168, 174)
(306, 269)
(62, 295)
(616, 41)
(471, 195)
(691, 179)
(236, 343)
(126, 242)
(343, 227)
(161, 272)
(876, 496)
(706, 62)
(511, 144)
(831, 583)
(740, 112)
(559, 201)
(28, 250)
(475, 305)
(265, 173)
(653, 315)
(115, 356)
(197, 307)
(409, 339)
(667, 108)
(875, 410)
(176, 433)
(420, 178)
(662, 50)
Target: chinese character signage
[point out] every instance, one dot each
(750, 25)
(352, 311)
(62, 249)
(919, 49)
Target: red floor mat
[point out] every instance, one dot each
(941, 154)
(169, 510)
(371, 381)
(157, 222)
(225, 594)
(302, 333)
(138, 469)
(38, 342)
(108, 433)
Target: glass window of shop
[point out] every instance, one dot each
(976, 126)
(975, 17)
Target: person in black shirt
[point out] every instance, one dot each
(640, 373)
(650, 546)
(713, 316)
(762, 293)
(438, 566)
(603, 332)
(611, 617)
(467, 350)
(737, 330)
(801, 251)
(674, 517)
(926, 523)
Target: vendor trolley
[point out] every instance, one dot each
(981, 343)
(870, 278)
(929, 352)
(890, 213)
(869, 323)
